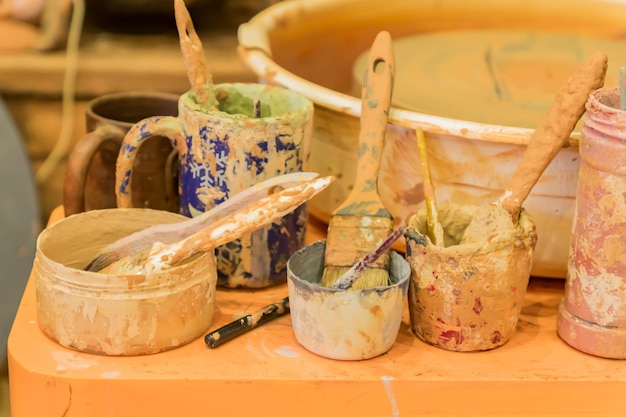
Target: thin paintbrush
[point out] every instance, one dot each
(361, 222)
(435, 230)
(347, 280)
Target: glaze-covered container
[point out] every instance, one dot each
(467, 295)
(344, 324)
(224, 150)
(117, 314)
(592, 316)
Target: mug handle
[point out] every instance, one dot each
(166, 126)
(79, 162)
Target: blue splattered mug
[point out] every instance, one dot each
(255, 132)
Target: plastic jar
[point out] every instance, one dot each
(116, 314)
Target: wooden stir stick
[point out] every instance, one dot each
(199, 76)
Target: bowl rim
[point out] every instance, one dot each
(255, 51)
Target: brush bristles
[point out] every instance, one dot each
(100, 262)
(372, 277)
(349, 239)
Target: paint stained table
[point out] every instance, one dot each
(267, 373)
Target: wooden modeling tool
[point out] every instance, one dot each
(547, 139)
(193, 56)
(268, 313)
(170, 233)
(161, 257)
(553, 131)
(361, 222)
(435, 230)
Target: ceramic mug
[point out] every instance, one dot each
(225, 150)
(89, 181)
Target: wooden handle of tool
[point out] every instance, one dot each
(375, 103)
(193, 53)
(248, 219)
(554, 130)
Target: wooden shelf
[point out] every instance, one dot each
(31, 83)
(113, 62)
(267, 373)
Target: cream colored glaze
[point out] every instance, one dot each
(117, 314)
(344, 324)
(310, 47)
(495, 76)
(467, 295)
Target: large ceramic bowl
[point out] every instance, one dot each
(311, 46)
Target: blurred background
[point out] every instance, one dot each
(118, 45)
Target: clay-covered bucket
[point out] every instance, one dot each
(344, 324)
(118, 314)
(467, 297)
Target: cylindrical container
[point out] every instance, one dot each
(224, 150)
(592, 316)
(468, 296)
(344, 324)
(113, 314)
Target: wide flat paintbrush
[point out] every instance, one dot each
(362, 222)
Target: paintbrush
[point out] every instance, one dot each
(169, 233)
(435, 230)
(245, 324)
(161, 257)
(361, 222)
(250, 321)
(350, 276)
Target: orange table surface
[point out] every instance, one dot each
(267, 373)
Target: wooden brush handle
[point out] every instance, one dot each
(553, 130)
(375, 103)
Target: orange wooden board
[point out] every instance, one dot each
(267, 373)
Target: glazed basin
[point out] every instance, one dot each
(115, 314)
(311, 46)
